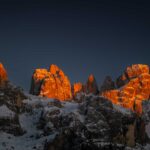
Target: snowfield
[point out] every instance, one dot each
(34, 137)
(5, 112)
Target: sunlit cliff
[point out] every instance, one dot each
(3, 75)
(129, 90)
(52, 83)
(78, 111)
(133, 86)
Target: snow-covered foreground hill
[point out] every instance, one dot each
(29, 122)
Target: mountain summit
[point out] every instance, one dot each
(79, 116)
(133, 87)
(3, 75)
(129, 90)
(52, 83)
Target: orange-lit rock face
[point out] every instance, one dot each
(52, 84)
(91, 85)
(56, 70)
(77, 88)
(132, 72)
(134, 91)
(37, 80)
(3, 76)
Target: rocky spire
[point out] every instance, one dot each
(91, 85)
(108, 84)
(77, 88)
(3, 76)
(52, 83)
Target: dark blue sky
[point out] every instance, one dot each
(82, 37)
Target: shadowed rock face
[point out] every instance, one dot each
(3, 76)
(11, 99)
(108, 84)
(91, 85)
(134, 87)
(52, 83)
(11, 105)
(103, 126)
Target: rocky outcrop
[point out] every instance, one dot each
(96, 124)
(9, 122)
(132, 72)
(134, 87)
(91, 122)
(3, 76)
(108, 84)
(52, 83)
(37, 80)
(77, 88)
(12, 97)
(91, 85)
(11, 105)
(89, 88)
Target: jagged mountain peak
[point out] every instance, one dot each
(91, 85)
(133, 88)
(54, 69)
(131, 72)
(88, 121)
(3, 76)
(52, 83)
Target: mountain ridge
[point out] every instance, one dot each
(134, 82)
(87, 120)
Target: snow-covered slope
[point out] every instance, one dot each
(47, 124)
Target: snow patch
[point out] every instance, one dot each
(5, 112)
(122, 109)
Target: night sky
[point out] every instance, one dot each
(81, 37)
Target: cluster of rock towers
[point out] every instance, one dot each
(129, 90)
